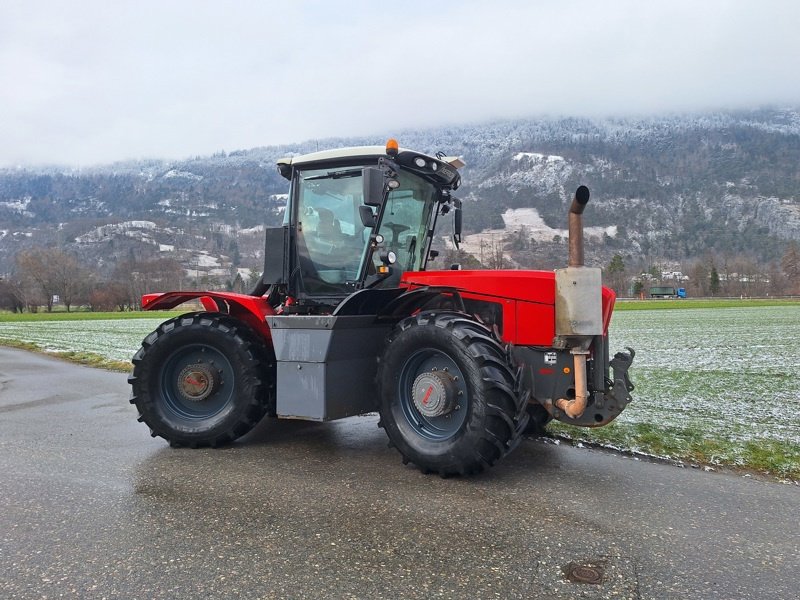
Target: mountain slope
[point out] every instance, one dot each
(668, 188)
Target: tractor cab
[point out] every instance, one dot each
(356, 218)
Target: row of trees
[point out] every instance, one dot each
(712, 276)
(47, 276)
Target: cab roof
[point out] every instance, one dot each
(358, 152)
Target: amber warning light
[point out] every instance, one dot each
(391, 147)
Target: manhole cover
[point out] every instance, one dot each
(585, 572)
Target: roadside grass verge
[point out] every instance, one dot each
(88, 359)
(694, 445)
(9, 317)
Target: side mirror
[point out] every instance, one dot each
(368, 218)
(276, 254)
(374, 186)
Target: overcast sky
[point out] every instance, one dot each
(85, 82)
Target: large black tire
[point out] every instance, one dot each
(202, 379)
(449, 398)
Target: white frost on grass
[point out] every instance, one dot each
(724, 371)
(731, 373)
(117, 339)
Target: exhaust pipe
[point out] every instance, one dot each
(576, 226)
(574, 408)
(578, 306)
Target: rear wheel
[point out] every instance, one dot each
(448, 400)
(202, 380)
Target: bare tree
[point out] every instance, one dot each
(54, 273)
(790, 263)
(34, 270)
(142, 277)
(70, 278)
(700, 278)
(11, 296)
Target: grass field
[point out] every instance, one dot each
(678, 304)
(716, 381)
(718, 386)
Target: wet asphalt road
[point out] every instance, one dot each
(93, 507)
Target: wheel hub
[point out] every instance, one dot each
(434, 393)
(197, 382)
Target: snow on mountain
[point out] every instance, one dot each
(517, 218)
(19, 206)
(529, 222)
(134, 229)
(172, 173)
(675, 186)
(532, 171)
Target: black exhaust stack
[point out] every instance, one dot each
(576, 226)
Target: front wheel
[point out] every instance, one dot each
(447, 397)
(202, 380)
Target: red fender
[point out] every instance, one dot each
(252, 310)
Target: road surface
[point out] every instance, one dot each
(92, 506)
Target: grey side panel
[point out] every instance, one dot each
(326, 365)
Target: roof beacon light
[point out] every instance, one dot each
(391, 147)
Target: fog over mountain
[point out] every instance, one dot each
(94, 81)
(664, 190)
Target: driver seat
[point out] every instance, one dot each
(328, 227)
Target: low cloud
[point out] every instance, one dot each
(94, 82)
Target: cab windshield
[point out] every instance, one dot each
(405, 222)
(332, 242)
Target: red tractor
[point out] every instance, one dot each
(347, 319)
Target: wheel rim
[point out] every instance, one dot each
(197, 382)
(430, 374)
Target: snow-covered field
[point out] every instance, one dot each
(116, 339)
(730, 372)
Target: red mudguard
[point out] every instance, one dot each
(252, 310)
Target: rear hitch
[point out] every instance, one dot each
(622, 385)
